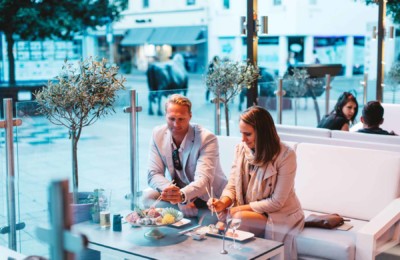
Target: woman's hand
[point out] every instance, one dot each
(216, 205)
(238, 209)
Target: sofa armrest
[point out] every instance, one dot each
(381, 233)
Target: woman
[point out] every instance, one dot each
(344, 113)
(260, 190)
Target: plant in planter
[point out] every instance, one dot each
(298, 83)
(295, 86)
(226, 78)
(79, 97)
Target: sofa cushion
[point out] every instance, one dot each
(336, 134)
(326, 243)
(391, 120)
(303, 130)
(329, 179)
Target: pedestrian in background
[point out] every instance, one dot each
(342, 115)
(372, 118)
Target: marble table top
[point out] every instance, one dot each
(131, 243)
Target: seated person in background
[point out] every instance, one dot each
(343, 114)
(260, 190)
(186, 154)
(372, 118)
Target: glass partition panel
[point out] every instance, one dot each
(391, 91)
(3, 186)
(309, 110)
(7, 185)
(266, 99)
(203, 113)
(44, 154)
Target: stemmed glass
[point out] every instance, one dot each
(235, 224)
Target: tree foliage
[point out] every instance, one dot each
(392, 8)
(78, 98)
(226, 78)
(58, 19)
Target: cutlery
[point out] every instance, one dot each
(183, 232)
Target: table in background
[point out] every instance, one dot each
(130, 243)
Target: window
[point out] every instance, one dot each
(277, 2)
(226, 4)
(146, 4)
(190, 2)
(47, 50)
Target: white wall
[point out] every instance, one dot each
(162, 13)
(298, 17)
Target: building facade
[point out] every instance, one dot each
(299, 32)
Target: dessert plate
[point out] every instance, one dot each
(181, 222)
(239, 234)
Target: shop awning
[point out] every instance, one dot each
(184, 35)
(137, 36)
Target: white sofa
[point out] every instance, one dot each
(315, 135)
(336, 134)
(344, 142)
(303, 130)
(360, 184)
(391, 117)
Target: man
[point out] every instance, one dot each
(186, 154)
(372, 118)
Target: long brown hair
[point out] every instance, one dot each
(267, 144)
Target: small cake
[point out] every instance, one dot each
(154, 216)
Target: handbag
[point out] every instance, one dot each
(327, 221)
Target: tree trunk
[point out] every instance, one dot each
(74, 140)
(10, 56)
(227, 118)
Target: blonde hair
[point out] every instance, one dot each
(179, 100)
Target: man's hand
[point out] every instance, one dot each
(189, 209)
(171, 194)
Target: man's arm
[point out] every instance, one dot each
(156, 169)
(205, 168)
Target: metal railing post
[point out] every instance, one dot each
(8, 124)
(327, 92)
(365, 88)
(279, 101)
(133, 109)
(8, 112)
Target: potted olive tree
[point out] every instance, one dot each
(78, 97)
(226, 78)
